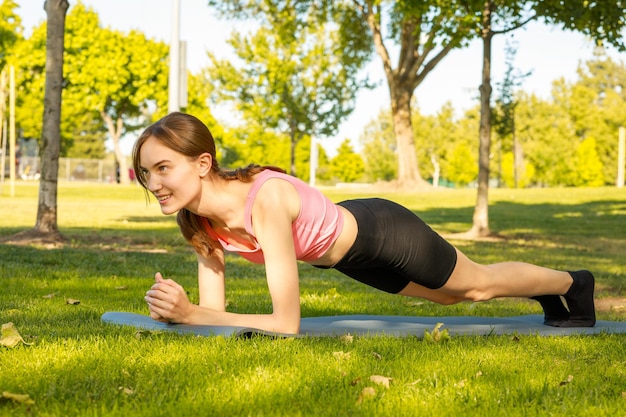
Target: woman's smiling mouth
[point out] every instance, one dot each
(162, 198)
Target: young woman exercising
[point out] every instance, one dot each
(275, 219)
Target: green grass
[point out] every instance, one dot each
(77, 366)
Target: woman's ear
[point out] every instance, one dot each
(205, 162)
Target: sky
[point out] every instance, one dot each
(549, 53)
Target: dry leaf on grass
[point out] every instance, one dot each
(139, 334)
(121, 288)
(348, 338)
(72, 301)
(17, 398)
(367, 392)
(341, 355)
(10, 337)
(381, 380)
(437, 335)
(51, 295)
(570, 378)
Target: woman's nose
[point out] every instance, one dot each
(153, 184)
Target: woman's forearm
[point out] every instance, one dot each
(289, 324)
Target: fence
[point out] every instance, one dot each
(70, 169)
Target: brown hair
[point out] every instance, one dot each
(187, 135)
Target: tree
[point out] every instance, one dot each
(46, 227)
(347, 166)
(426, 32)
(588, 170)
(81, 128)
(504, 117)
(10, 29)
(603, 21)
(379, 149)
(599, 106)
(548, 135)
(297, 73)
(113, 83)
(121, 76)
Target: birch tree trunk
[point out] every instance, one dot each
(51, 133)
(480, 220)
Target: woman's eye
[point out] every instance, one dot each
(162, 168)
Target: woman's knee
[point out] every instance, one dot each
(469, 281)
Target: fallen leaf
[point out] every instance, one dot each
(415, 303)
(17, 398)
(348, 338)
(341, 355)
(72, 301)
(381, 380)
(122, 287)
(10, 337)
(460, 384)
(570, 378)
(479, 373)
(415, 382)
(126, 390)
(355, 381)
(51, 295)
(142, 333)
(377, 355)
(437, 335)
(367, 392)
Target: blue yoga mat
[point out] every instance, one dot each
(372, 325)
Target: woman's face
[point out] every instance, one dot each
(173, 178)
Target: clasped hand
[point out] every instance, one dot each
(167, 301)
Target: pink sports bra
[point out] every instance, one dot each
(316, 228)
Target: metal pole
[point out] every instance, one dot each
(174, 79)
(313, 162)
(3, 127)
(12, 129)
(621, 157)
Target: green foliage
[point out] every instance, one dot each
(347, 166)
(109, 76)
(463, 168)
(548, 135)
(602, 21)
(297, 74)
(588, 169)
(525, 177)
(379, 145)
(10, 29)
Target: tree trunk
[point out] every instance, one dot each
(480, 225)
(115, 132)
(408, 172)
(436, 170)
(46, 224)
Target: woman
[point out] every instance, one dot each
(275, 219)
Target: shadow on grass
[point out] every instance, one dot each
(96, 262)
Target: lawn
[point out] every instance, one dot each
(74, 365)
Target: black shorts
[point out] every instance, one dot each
(394, 247)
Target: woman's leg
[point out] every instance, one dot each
(471, 281)
(477, 282)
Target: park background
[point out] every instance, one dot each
(65, 361)
(561, 80)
